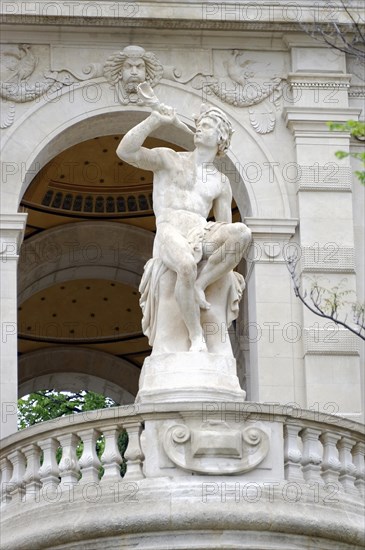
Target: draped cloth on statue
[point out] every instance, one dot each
(162, 322)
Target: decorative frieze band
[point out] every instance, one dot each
(316, 84)
(329, 258)
(333, 341)
(329, 177)
(319, 80)
(357, 91)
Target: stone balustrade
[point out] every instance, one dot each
(246, 450)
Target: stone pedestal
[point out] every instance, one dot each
(193, 376)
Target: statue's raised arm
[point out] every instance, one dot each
(130, 148)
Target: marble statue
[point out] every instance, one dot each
(194, 256)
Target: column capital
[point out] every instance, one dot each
(270, 237)
(12, 228)
(271, 228)
(313, 120)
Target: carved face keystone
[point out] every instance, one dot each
(133, 73)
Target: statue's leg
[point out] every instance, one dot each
(224, 247)
(177, 255)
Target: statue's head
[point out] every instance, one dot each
(223, 125)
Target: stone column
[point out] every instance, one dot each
(320, 95)
(11, 235)
(271, 333)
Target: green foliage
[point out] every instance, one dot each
(357, 131)
(48, 404)
(355, 127)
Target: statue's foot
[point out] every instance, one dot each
(200, 298)
(198, 344)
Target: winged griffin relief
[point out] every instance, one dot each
(247, 85)
(18, 82)
(243, 83)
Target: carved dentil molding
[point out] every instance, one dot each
(357, 91)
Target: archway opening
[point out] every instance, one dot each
(89, 232)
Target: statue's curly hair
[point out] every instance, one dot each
(224, 126)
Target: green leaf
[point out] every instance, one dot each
(341, 154)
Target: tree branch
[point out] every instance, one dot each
(316, 296)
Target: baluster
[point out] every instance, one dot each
(312, 459)
(6, 473)
(32, 477)
(69, 465)
(292, 453)
(111, 458)
(133, 454)
(348, 469)
(89, 461)
(18, 461)
(49, 472)
(331, 466)
(358, 460)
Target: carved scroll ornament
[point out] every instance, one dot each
(216, 448)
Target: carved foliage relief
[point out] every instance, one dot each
(236, 78)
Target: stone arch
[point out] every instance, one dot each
(69, 369)
(51, 133)
(54, 127)
(120, 252)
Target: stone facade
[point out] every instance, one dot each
(62, 85)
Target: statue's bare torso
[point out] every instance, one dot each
(185, 195)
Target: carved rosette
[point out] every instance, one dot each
(216, 447)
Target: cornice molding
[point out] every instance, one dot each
(264, 15)
(13, 222)
(314, 120)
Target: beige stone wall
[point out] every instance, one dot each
(278, 88)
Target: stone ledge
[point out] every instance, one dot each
(211, 409)
(161, 514)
